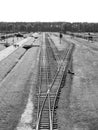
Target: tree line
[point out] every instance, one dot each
(48, 27)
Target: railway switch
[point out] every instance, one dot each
(60, 37)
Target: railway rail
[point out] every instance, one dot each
(47, 94)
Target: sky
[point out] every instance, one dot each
(49, 10)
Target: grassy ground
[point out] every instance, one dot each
(84, 94)
(63, 111)
(8, 63)
(14, 90)
(78, 106)
(2, 47)
(60, 44)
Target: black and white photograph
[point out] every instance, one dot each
(48, 65)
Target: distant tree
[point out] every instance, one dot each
(29, 28)
(10, 28)
(3, 27)
(63, 27)
(68, 26)
(22, 28)
(48, 26)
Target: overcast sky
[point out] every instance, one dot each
(49, 10)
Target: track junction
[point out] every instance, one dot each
(53, 68)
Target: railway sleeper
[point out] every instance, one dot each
(44, 94)
(55, 122)
(51, 97)
(47, 107)
(45, 128)
(47, 110)
(45, 113)
(55, 127)
(44, 120)
(46, 116)
(44, 124)
(41, 100)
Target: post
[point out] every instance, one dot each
(60, 37)
(13, 33)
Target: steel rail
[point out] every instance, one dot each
(39, 89)
(49, 102)
(65, 71)
(48, 91)
(64, 68)
(40, 110)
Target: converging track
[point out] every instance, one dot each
(48, 89)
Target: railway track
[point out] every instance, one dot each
(47, 94)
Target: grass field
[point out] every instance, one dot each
(8, 63)
(78, 106)
(14, 91)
